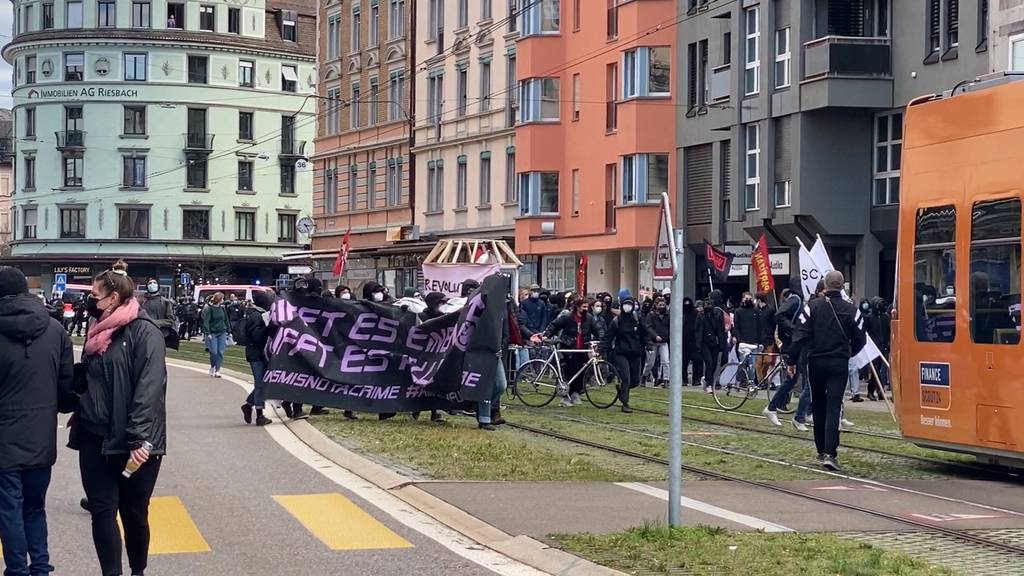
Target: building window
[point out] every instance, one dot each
(539, 99)
(195, 224)
(783, 57)
(575, 97)
(289, 28)
(141, 14)
(246, 76)
(612, 31)
(463, 13)
(289, 78)
(207, 18)
(74, 67)
(374, 103)
(611, 107)
(286, 228)
(106, 13)
(135, 67)
(782, 194)
(511, 182)
(753, 167)
(234, 20)
(374, 24)
(47, 15)
(30, 18)
(30, 69)
(541, 17)
(934, 26)
(461, 96)
(704, 84)
(752, 51)
(30, 122)
(245, 226)
(888, 148)
(575, 192)
(195, 175)
(485, 179)
(460, 184)
(538, 193)
(435, 23)
(435, 98)
(134, 120)
(333, 110)
(511, 88)
(1017, 53)
(245, 175)
(30, 172)
(73, 14)
(73, 124)
(995, 271)
(952, 24)
(371, 185)
(176, 15)
(72, 222)
(133, 172)
(560, 273)
(397, 89)
(354, 106)
(513, 15)
(29, 223)
(935, 272)
(435, 186)
(485, 85)
(691, 78)
(245, 131)
(197, 69)
(646, 72)
(485, 9)
(575, 15)
(394, 183)
(353, 186)
(357, 21)
(133, 223)
(288, 178)
(334, 36)
(73, 171)
(396, 19)
(611, 194)
(726, 48)
(330, 191)
(644, 178)
(982, 25)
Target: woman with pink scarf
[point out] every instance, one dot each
(121, 419)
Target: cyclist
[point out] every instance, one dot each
(574, 331)
(747, 329)
(625, 343)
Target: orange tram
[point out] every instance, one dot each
(958, 359)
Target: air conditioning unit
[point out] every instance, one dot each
(547, 228)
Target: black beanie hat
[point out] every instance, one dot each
(12, 282)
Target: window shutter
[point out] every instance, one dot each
(692, 86)
(726, 171)
(954, 15)
(933, 16)
(783, 148)
(699, 184)
(846, 17)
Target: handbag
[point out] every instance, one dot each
(171, 340)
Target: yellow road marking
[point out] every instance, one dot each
(339, 523)
(172, 530)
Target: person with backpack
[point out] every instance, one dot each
(216, 325)
(785, 321)
(713, 340)
(253, 336)
(624, 344)
(159, 309)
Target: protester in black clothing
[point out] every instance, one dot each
(712, 339)
(658, 326)
(746, 327)
(785, 321)
(624, 344)
(314, 288)
(159, 309)
(36, 367)
(575, 331)
(596, 308)
(121, 419)
(691, 355)
(828, 332)
(434, 301)
(81, 318)
(879, 327)
(256, 333)
(374, 292)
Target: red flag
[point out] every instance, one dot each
(339, 262)
(581, 275)
(761, 266)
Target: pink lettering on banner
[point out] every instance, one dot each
(363, 323)
(284, 336)
(330, 317)
(309, 315)
(415, 337)
(357, 360)
(282, 313)
(389, 331)
(473, 313)
(470, 379)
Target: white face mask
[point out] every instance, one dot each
(346, 296)
(378, 296)
(598, 309)
(534, 295)
(627, 308)
(152, 287)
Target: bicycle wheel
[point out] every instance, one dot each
(537, 383)
(602, 384)
(731, 388)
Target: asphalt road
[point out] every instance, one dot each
(232, 500)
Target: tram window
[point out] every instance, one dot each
(935, 274)
(995, 272)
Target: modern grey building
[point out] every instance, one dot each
(793, 122)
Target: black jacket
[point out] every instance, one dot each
(785, 320)
(879, 326)
(689, 328)
(626, 336)
(710, 331)
(658, 325)
(36, 367)
(160, 310)
(766, 319)
(827, 328)
(566, 327)
(255, 335)
(746, 325)
(129, 402)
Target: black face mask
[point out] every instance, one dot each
(92, 307)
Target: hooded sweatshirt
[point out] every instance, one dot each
(36, 368)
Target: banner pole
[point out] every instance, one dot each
(884, 396)
(675, 411)
(711, 279)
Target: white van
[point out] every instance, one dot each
(242, 291)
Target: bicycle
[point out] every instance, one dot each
(538, 382)
(736, 382)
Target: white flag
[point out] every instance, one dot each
(820, 256)
(868, 353)
(809, 272)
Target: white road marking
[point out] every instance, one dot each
(861, 488)
(385, 502)
(710, 509)
(951, 517)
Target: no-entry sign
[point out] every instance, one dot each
(665, 249)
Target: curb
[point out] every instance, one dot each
(521, 548)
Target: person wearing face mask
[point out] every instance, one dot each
(343, 293)
(597, 311)
(159, 309)
(374, 292)
(714, 341)
(121, 416)
(575, 331)
(216, 326)
(747, 329)
(659, 330)
(690, 350)
(625, 343)
(255, 326)
(535, 311)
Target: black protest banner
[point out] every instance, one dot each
(370, 357)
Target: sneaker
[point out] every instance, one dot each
(576, 400)
(708, 389)
(820, 457)
(626, 409)
(247, 413)
(287, 407)
(212, 370)
(566, 402)
(844, 423)
(319, 411)
(771, 416)
(809, 419)
(800, 426)
(830, 463)
(299, 414)
(856, 398)
(262, 420)
(216, 374)
(349, 415)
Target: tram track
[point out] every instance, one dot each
(961, 535)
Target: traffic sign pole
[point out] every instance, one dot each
(675, 409)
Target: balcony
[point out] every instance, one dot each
(847, 72)
(292, 149)
(198, 144)
(70, 140)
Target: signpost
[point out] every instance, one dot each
(186, 279)
(60, 283)
(666, 267)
